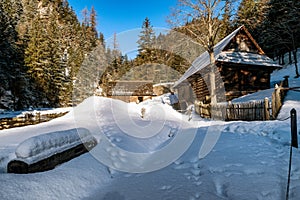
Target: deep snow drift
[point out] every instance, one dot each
(249, 160)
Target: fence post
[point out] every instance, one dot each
(273, 105)
(286, 81)
(38, 116)
(201, 109)
(266, 109)
(196, 107)
(278, 99)
(294, 143)
(229, 113)
(294, 135)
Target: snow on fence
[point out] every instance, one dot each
(248, 111)
(44, 152)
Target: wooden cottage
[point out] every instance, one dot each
(241, 68)
(130, 91)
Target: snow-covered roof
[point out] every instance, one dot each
(246, 58)
(204, 60)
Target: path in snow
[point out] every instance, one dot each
(247, 170)
(249, 161)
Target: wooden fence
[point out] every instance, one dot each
(28, 119)
(248, 111)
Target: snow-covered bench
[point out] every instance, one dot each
(44, 152)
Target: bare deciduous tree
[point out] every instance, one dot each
(201, 20)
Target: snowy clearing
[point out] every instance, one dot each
(249, 160)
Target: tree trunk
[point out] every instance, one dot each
(290, 57)
(212, 79)
(296, 61)
(282, 59)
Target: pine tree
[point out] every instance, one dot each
(146, 41)
(37, 56)
(252, 13)
(6, 49)
(11, 63)
(70, 53)
(281, 29)
(93, 22)
(226, 27)
(85, 21)
(116, 53)
(101, 39)
(43, 46)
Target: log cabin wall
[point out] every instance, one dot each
(237, 80)
(200, 84)
(240, 80)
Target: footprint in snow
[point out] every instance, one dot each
(197, 195)
(166, 187)
(222, 189)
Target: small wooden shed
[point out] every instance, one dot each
(241, 68)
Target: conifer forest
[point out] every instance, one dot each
(44, 45)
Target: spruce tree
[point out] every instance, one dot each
(281, 29)
(226, 27)
(146, 41)
(252, 13)
(11, 70)
(43, 46)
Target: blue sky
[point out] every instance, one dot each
(125, 18)
(116, 16)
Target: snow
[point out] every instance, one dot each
(257, 96)
(246, 58)
(157, 157)
(43, 146)
(288, 70)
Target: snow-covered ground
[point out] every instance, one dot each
(248, 161)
